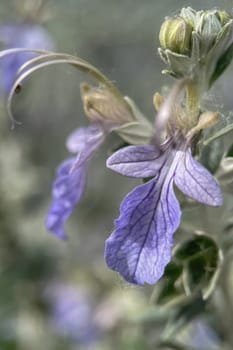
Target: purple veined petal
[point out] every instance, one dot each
(67, 192)
(85, 141)
(140, 247)
(137, 161)
(196, 182)
(81, 138)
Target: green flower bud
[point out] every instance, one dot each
(176, 35)
(208, 26)
(188, 14)
(197, 45)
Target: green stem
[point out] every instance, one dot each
(218, 134)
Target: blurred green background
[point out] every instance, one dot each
(121, 39)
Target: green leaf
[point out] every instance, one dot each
(222, 64)
(170, 289)
(201, 259)
(184, 314)
(194, 270)
(223, 41)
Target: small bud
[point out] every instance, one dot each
(176, 35)
(208, 27)
(101, 105)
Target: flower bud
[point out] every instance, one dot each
(101, 105)
(176, 35)
(208, 27)
(224, 17)
(197, 45)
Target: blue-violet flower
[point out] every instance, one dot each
(107, 113)
(72, 313)
(140, 247)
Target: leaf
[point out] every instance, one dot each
(194, 270)
(222, 64)
(184, 314)
(220, 61)
(169, 290)
(201, 259)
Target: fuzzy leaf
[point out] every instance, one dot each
(201, 260)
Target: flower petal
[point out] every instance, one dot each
(196, 182)
(88, 138)
(85, 141)
(67, 192)
(137, 161)
(140, 247)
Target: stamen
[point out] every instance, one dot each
(51, 59)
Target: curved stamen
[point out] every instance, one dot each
(7, 52)
(56, 58)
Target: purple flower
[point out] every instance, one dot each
(107, 113)
(70, 181)
(140, 247)
(20, 36)
(72, 314)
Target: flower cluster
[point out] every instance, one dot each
(197, 44)
(197, 47)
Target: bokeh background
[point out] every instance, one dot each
(60, 295)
